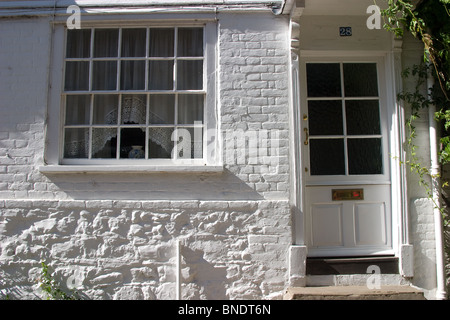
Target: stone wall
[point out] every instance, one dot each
(127, 249)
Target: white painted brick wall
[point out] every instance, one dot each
(24, 52)
(254, 92)
(253, 96)
(117, 232)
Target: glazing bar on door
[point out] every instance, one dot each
(347, 194)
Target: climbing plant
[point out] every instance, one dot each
(429, 22)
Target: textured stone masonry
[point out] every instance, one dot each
(126, 250)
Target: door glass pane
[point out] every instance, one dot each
(105, 109)
(78, 109)
(363, 117)
(78, 43)
(325, 117)
(133, 42)
(132, 75)
(323, 79)
(160, 75)
(106, 43)
(161, 42)
(327, 156)
(365, 156)
(104, 75)
(360, 80)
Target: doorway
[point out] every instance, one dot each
(345, 157)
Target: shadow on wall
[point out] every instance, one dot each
(201, 279)
(153, 186)
(447, 256)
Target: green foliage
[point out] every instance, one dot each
(429, 22)
(51, 287)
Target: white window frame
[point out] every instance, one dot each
(53, 157)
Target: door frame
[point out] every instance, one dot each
(389, 79)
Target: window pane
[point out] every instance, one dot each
(323, 79)
(133, 42)
(106, 43)
(161, 42)
(189, 143)
(105, 109)
(162, 109)
(134, 109)
(327, 157)
(78, 109)
(104, 143)
(131, 141)
(365, 156)
(104, 75)
(325, 117)
(160, 143)
(360, 80)
(132, 75)
(190, 75)
(363, 117)
(190, 108)
(190, 42)
(77, 76)
(76, 143)
(78, 43)
(160, 75)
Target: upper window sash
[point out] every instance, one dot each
(135, 59)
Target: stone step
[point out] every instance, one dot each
(354, 293)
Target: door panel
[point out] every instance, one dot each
(326, 225)
(370, 224)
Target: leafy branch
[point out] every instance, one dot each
(51, 287)
(427, 21)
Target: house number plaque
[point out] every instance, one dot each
(345, 31)
(347, 194)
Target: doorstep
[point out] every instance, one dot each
(351, 265)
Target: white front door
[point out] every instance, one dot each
(345, 158)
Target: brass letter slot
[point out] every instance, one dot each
(347, 194)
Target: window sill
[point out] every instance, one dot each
(55, 169)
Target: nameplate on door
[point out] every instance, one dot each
(347, 194)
